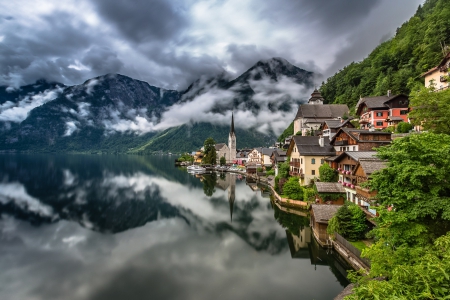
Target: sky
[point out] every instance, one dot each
(171, 43)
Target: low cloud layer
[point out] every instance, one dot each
(18, 111)
(171, 43)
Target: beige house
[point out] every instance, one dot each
(437, 75)
(307, 154)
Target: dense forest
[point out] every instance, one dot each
(398, 63)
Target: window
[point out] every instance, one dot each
(313, 161)
(379, 123)
(403, 112)
(379, 114)
(313, 172)
(322, 161)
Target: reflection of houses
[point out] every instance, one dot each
(438, 74)
(307, 154)
(311, 116)
(330, 193)
(347, 139)
(377, 112)
(320, 215)
(299, 244)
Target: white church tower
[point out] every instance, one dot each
(232, 141)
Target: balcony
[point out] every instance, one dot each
(341, 143)
(295, 164)
(293, 173)
(366, 193)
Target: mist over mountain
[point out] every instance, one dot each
(115, 113)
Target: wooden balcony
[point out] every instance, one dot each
(295, 164)
(366, 193)
(341, 143)
(298, 174)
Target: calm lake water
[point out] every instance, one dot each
(133, 227)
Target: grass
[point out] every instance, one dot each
(359, 244)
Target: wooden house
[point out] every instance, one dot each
(320, 215)
(348, 139)
(363, 170)
(330, 193)
(330, 127)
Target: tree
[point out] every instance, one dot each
(431, 109)
(283, 168)
(404, 127)
(412, 239)
(223, 160)
(327, 174)
(209, 184)
(209, 156)
(349, 221)
(292, 189)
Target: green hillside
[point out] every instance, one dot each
(396, 64)
(191, 137)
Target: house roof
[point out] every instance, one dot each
(328, 111)
(349, 131)
(309, 145)
(329, 187)
(357, 155)
(316, 95)
(324, 212)
(334, 124)
(219, 146)
(376, 102)
(372, 165)
(279, 153)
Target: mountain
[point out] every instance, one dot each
(398, 63)
(115, 113)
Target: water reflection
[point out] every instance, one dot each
(148, 230)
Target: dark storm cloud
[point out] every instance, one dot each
(101, 60)
(334, 16)
(143, 20)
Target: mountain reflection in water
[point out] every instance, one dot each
(148, 230)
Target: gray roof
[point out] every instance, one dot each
(267, 151)
(372, 165)
(357, 155)
(308, 140)
(329, 187)
(395, 118)
(375, 102)
(219, 146)
(334, 124)
(326, 150)
(328, 111)
(324, 212)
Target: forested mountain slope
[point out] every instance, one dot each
(396, 64)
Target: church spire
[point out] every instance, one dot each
(232, 123)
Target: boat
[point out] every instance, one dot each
(195, 169)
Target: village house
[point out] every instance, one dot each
(330, 127)
(310, 116)
(320, 215)
(349, 139)
(254, 156)
(278, 157)
(382, 111)
(363, 170)
(345, 164)
(307, 154)
(437, 75)
(330, 193)
(242, 157)
(266, 153)
(198, 156)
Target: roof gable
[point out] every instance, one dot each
(327, 111)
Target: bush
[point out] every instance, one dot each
(349, 221)
(292, 189)
(270, 172)
(404, 127)
(327, 174)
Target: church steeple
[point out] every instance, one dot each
(232, 123)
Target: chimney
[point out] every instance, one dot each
(389, 93)
(321, 141)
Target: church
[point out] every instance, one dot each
(228, 151)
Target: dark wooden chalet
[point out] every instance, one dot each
(347, 139)
(320, 215)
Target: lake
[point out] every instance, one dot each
(137, 227)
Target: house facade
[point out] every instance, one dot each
(379, 112)
(310, 116)
(307, 154)
(437, 75)
(349, 139)
(320, 215)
